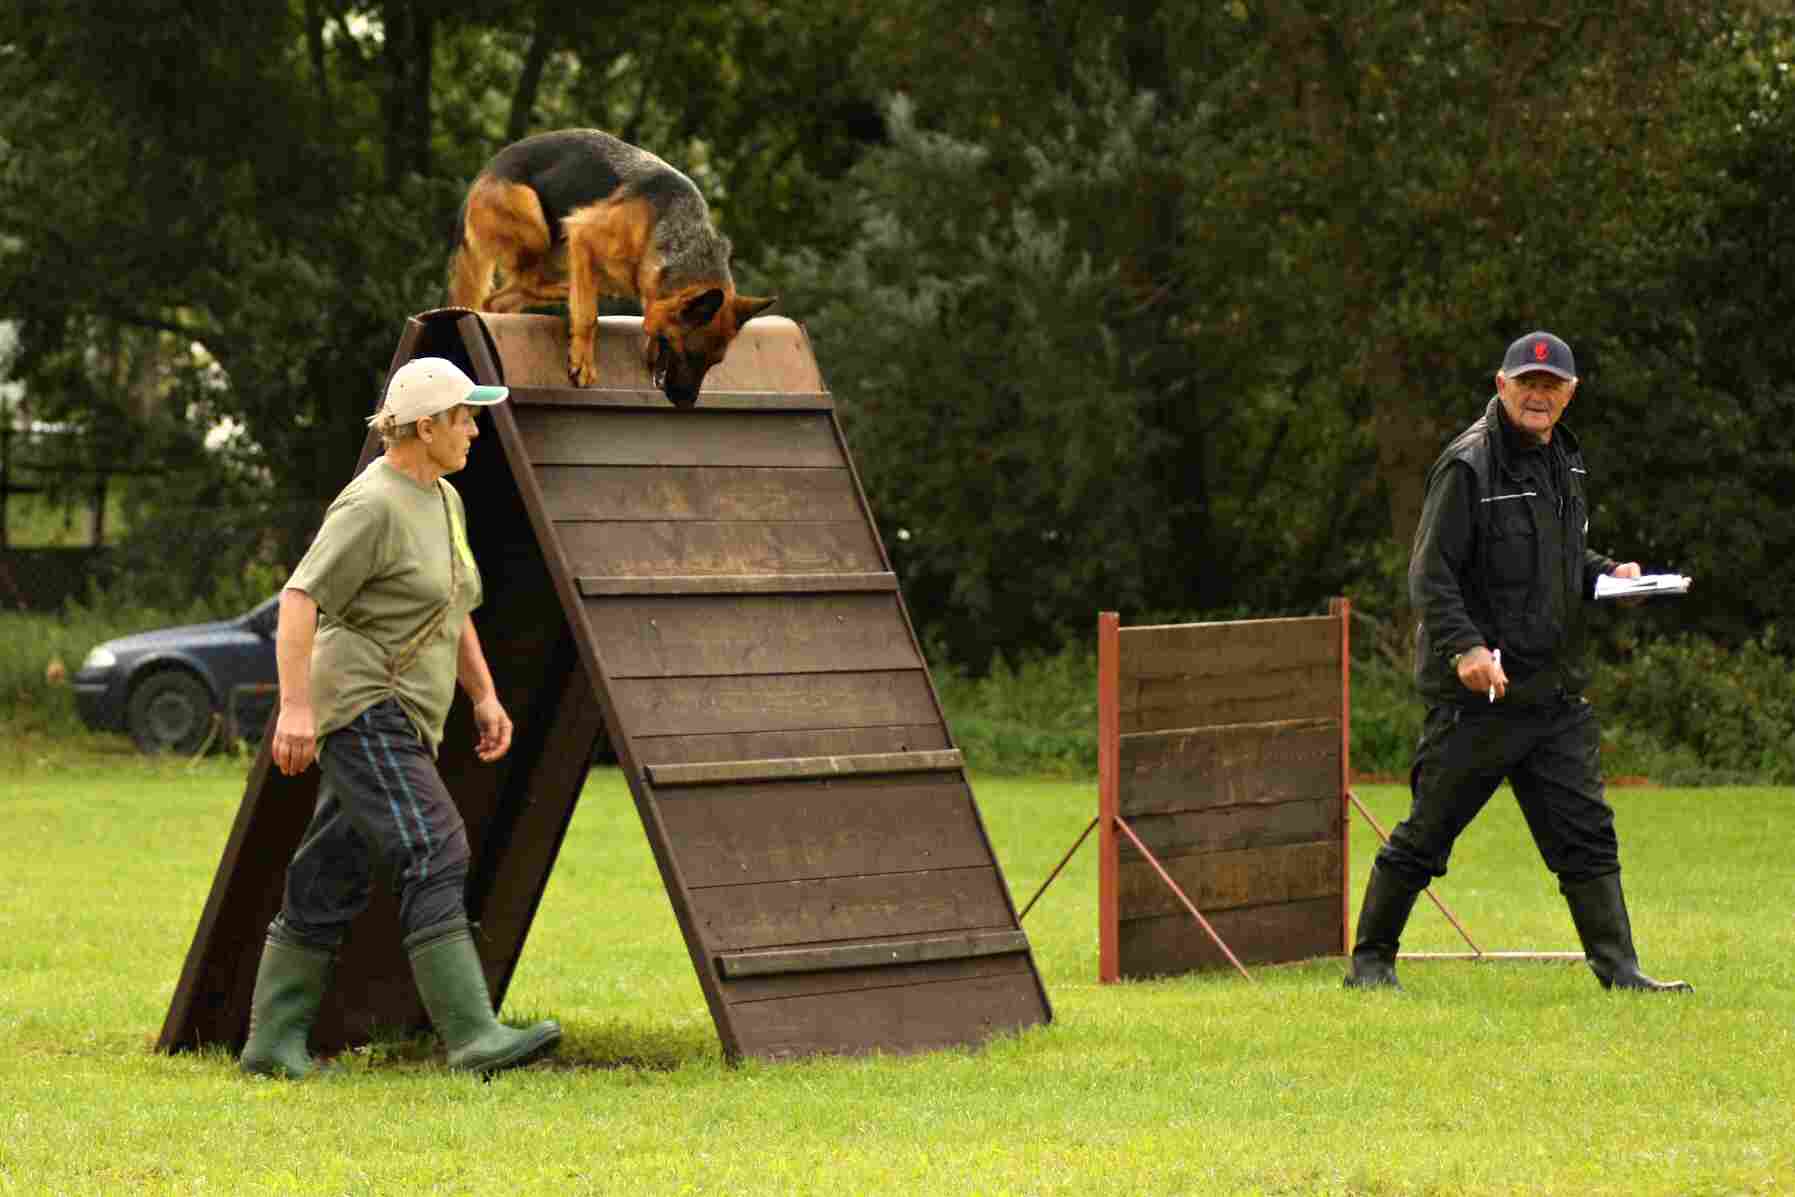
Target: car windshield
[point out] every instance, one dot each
(263, 617)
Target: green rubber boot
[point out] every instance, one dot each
(290, 984)
(447, 969)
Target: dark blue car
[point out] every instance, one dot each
(176, 689)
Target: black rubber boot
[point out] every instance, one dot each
(1599, 910)
(447, 969)
(1382, 916)
(290, 982)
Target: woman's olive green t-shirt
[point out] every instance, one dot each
(394, 581)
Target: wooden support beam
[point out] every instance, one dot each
(865, 955)
(608, 587)
(796, 768)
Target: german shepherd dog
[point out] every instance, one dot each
(577, 214)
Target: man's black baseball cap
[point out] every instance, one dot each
(1539, 351)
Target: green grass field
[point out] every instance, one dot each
(1486, 1078)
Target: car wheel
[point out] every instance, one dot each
(170, 711)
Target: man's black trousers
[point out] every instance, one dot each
(1550, 753)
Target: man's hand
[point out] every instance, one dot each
(1479, 670)
(494, 727)
(295, 739)
(1628, 569)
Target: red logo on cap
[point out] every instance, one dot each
(1541, 351)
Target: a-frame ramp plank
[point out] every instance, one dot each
(744, 627)
(706, 588)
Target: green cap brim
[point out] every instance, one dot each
(481, 396)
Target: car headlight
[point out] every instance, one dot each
(99, 658)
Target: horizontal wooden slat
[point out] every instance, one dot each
(1230, 828)
(1162, 703)
(592, 587)
(1198, 768)
(670, 437)
(797, 768)
(713, 635)
(1204, 650)
(791, 913)
(774, 702)
(906, 1018)
(1225, 880)
(835, 741)
(807, 830)
(687, 548)
(617, 398)
(874, 954)
(723, 493)
(1175, 943)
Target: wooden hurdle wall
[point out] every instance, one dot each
(1223, 758)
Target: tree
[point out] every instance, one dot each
(274, 186)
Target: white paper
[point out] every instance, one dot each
(1610, 587)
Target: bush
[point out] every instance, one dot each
(1700, 713)
(1038, 717)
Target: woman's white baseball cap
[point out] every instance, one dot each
(428, 386)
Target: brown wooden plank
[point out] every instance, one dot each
(679, 749)
(797, 768)
(1194, 769)
(1163, 703)
(786, 985)
(699, 584)
(1217, 881)
(708, 635)
(687, 548)
(614, 398)
(772, 702)
(1175, 943)
(802, 830)
(656, 492)
(735, 918)
(671, 437)
(1201, 650)
(1231, 828)
(903, 1018)
(879, 953)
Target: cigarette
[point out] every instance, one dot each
(1498, 655)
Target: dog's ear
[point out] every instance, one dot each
(747, 307)
(702, 310)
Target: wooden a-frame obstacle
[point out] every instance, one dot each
(707, 588)
(1223, 799)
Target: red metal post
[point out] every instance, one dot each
(1109, 781)
(1064, 861)
(1182, 897)
(1431, 896)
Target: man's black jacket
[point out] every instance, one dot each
(1500, 560)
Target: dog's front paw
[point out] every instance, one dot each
(582, 371)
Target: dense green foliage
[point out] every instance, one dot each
(1156, 307)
